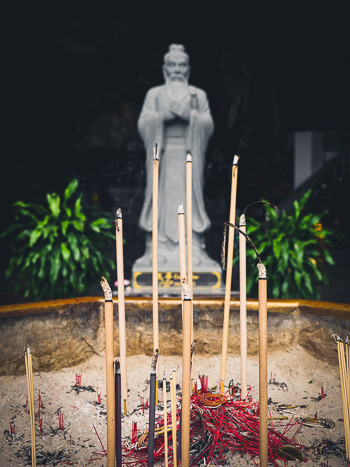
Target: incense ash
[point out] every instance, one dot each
(78, 443)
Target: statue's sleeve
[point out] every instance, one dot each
(150, 126)
(200, 130)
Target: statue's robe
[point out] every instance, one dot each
(175, 138)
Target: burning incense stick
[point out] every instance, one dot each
(186, 377)
(109, 373)
(243, 306)
(155, 247)
(30, 385)
(121, 303)
(182, 243)
(118, 413)
(189, 230)
(173, 414)
(165, 422)
(263, 365)
(152, 409)
(229, 271)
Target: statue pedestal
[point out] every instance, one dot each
(204, 281)
(207, 273)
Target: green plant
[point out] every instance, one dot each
(58, 250)
(292, 250)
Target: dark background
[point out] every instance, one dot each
(78, 72)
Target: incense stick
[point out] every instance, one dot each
(229, 271)
(189, 230)
(186, 377)
(121, 303)
(165, 422)
(182, 244)
(152, 409)
(243, 295)
(263, 434)
(344, 384)
(155, 247)
(30, 385)
(118, 413)
(243, 306)
(109, 373)
(173, 414)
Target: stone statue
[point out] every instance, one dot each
(176, 115)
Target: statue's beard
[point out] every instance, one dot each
(176, 89)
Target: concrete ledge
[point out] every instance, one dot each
(63, 333)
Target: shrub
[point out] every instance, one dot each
(292, 250)
(58, 250)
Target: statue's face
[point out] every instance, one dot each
(176, 68)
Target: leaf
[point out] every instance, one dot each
(296, 206)
(73, 242)
(65, 251)
(95, 228)
(64, 227)
(72, 186)
(277, 245)
(308, 284)
(299, 254)
(78, 225)
(328, 257)
(304, 199)
(34, 236)
(54, 203)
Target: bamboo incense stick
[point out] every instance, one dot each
(155, 248)
(30, 385)
(165, 422)
(152, 410)
(121, 303)
(189, 230)
(110, 386)
(229, 271)
(263, 434)
(118, 413)
(344, 381)
(243, 305)
(182, 243)
(347, 353)
(186, 377)
(173, 414)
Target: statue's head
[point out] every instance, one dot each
(176, 64)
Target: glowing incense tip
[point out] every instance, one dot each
(118, 214)
(235, 159)
(189, 157)
(262, 271)
(106, 289)
(155, 152)
(242, 220)
(181, 209)
(186, 291)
